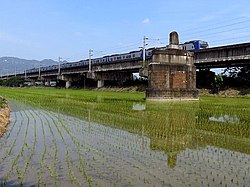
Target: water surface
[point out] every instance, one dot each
(138, 145)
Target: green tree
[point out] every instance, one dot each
(12, 82)
(218, 83)
(237, 77)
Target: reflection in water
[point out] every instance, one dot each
(225, 118)
(170, 147)
(138, 106)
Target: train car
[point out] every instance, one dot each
(115, 57)
(195, 45)
(33, 70)
(149, 52)
(97, 60)
(136, 54)
(132, 55)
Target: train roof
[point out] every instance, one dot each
(194, 41)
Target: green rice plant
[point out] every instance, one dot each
(53, 173)
(33, 147)
(14, 161)
(77, 144)
(44, 150)
(171, 127)
(71, 174)
(13, 144)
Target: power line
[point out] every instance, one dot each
(214, 24)
(226, 39)
(190, 31)
(219, 27)
(224, 31)
(131, 44)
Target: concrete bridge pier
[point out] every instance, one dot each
(101, 77)
(68, 84)
(100, 83)
(171, 73)
(47, 83)
(67, 78)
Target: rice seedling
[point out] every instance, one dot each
(44, 151)
(52, 172)
(106, 140)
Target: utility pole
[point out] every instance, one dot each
(90, 55)
(39, 69)
(144, 50)
(59, 65)
(15, 69)
(25, 73)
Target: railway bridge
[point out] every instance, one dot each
(224, 56)
(178, 76)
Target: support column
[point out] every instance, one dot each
(68, 84)
(47, 83)
(100, 83)
(172, 74)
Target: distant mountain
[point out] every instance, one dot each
(8, 65)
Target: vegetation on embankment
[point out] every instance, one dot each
(4, 115)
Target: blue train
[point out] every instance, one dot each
(133, 55)
(195, 45)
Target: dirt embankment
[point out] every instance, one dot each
(230, 92)
(4, 116)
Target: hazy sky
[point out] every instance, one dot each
(39, 29)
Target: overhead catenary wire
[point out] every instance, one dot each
(228, 39)
(224, 31)
(119, 48)
(188, 34)
(191, 32)
(219, 27)
(191, 28)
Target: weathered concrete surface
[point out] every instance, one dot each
(4, 118)
(174, 38)
(173, 56)
(172, 75)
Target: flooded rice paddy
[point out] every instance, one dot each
(124, 142)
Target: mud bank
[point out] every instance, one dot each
(4, 117)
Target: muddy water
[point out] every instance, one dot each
(51, 149)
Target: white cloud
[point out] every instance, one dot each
(146, 21)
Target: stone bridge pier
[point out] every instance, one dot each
(171, 73)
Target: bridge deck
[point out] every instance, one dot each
(223, 56)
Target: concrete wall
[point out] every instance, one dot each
(173, 56)
(172, 75)
(172, 81)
